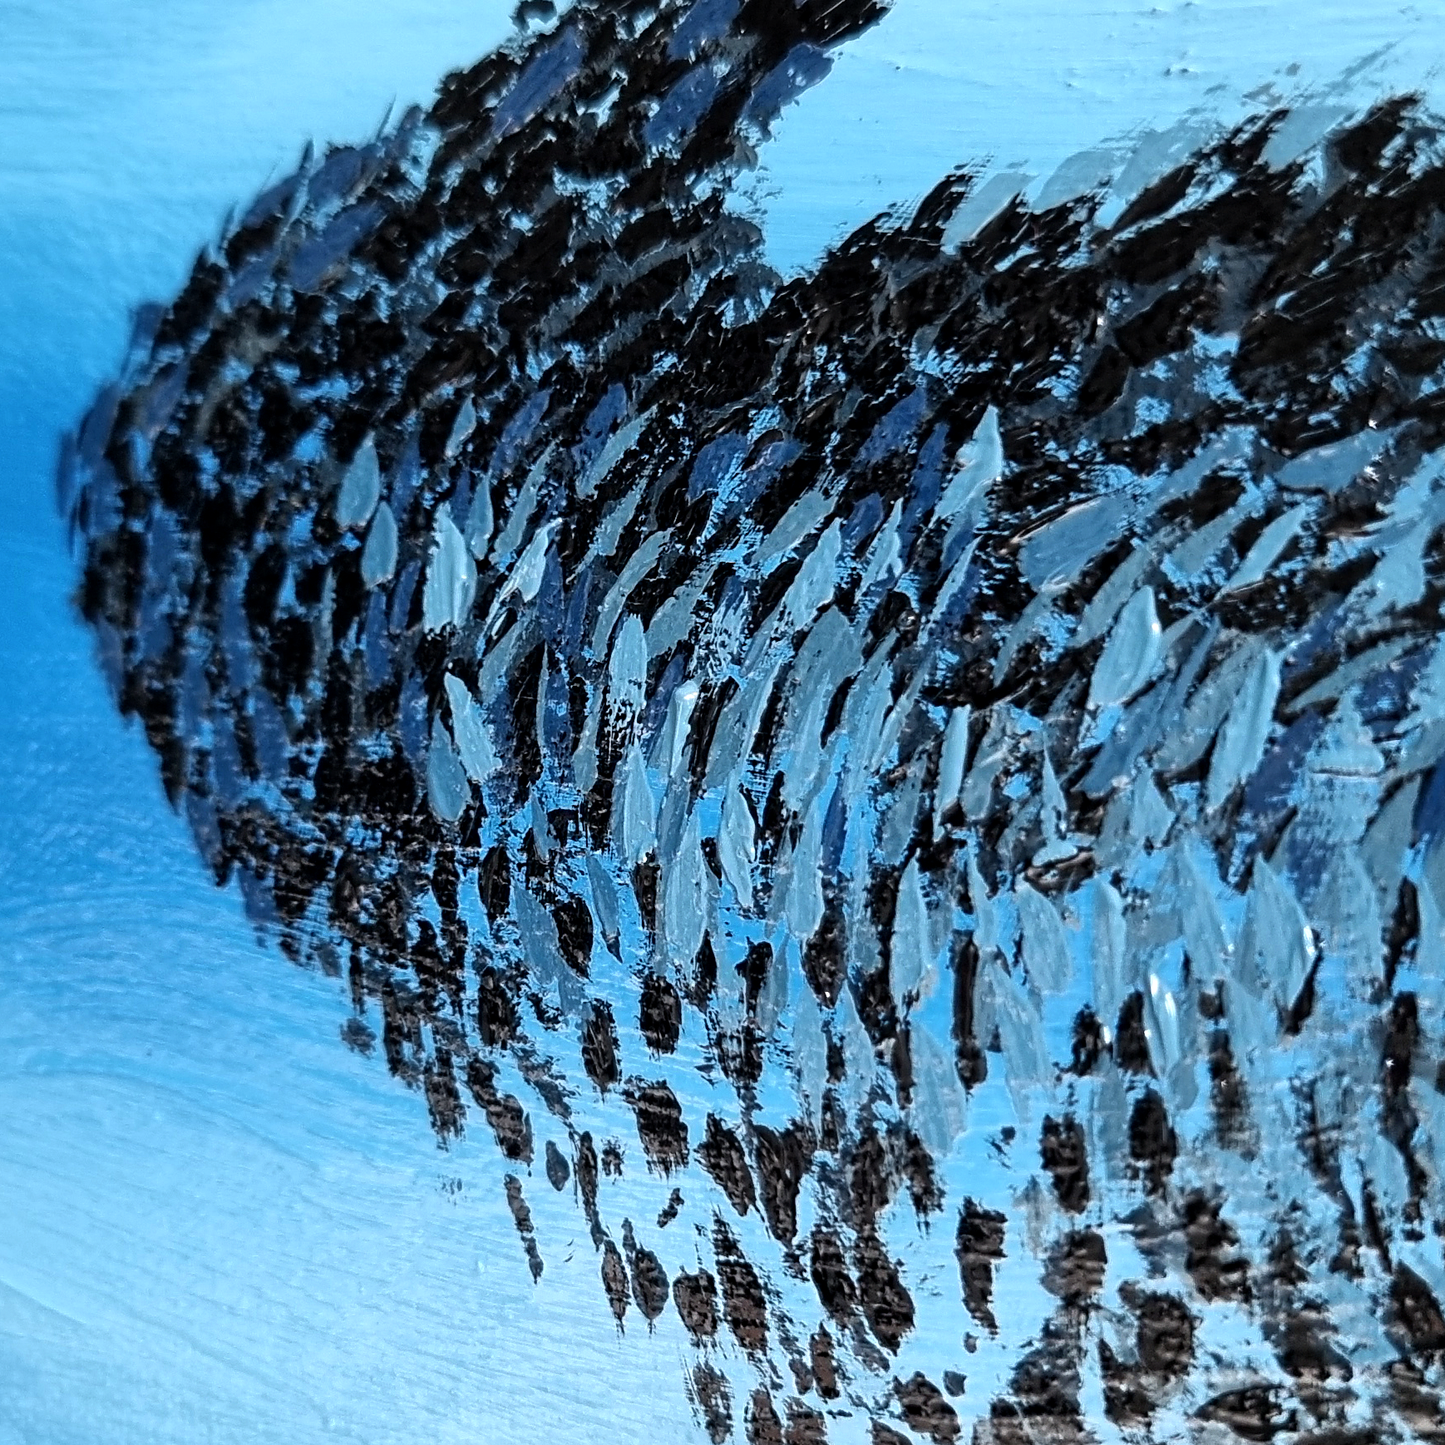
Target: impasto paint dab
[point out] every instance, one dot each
(944, 752)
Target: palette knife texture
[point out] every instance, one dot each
(937, 762)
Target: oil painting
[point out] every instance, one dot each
(730, 726)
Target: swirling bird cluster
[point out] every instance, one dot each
(943, 752)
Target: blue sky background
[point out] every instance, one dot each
(218, 1224)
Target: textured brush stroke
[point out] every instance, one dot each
(735, 728)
